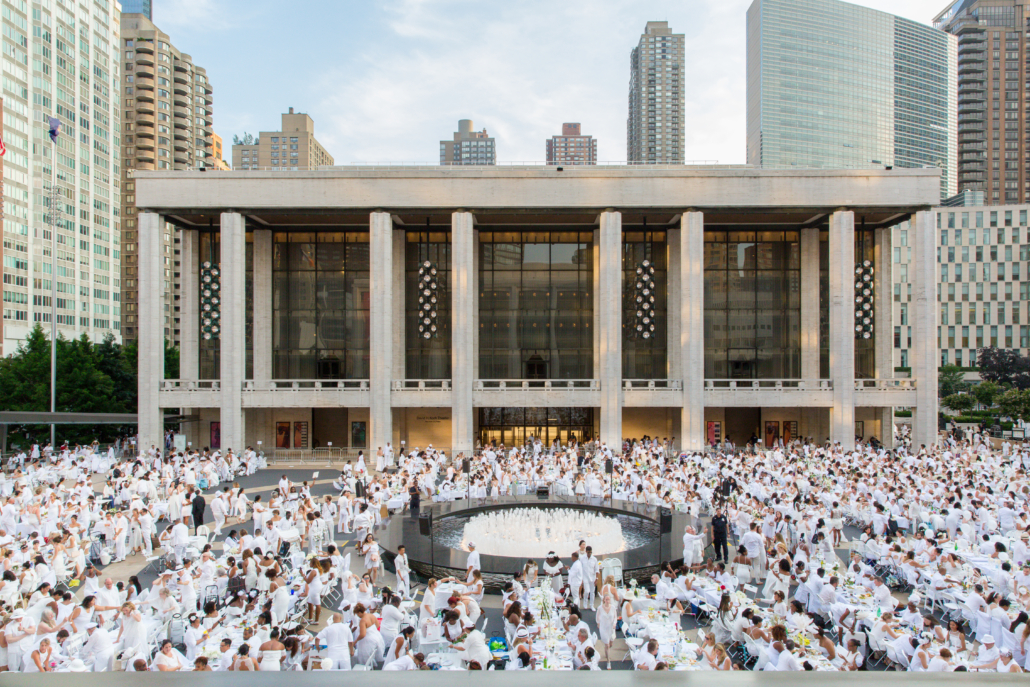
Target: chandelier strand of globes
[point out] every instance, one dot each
(643, 301)
(864, 295)
(428, 295)
(210, 301)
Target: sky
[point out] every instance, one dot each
(386, 80)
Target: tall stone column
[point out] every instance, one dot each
(189, 319)
(842, 327)
(189, 305)
(609, 322)
(692, 329)
(399, 349)
(233, 239)
(810, 304)
(673, 308)
(883, 323)
(151, 330)
(463, 296)
(381, 329)
(262, 304)
(923, 316)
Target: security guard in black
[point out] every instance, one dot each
(719, 532)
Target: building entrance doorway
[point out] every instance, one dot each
(742, 424)
(518, 426)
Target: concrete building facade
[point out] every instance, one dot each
(834, 85)
(655, 126)
(294, 147)
(606, 302)
(993, 151)
(468, 147)
(167, 124)
(983, 293)
(62, 60)
(571, 147)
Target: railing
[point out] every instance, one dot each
(884, 384)
(422, 384)
(191, 384)
(787, 384)
(532, 384)
(305, 384)
(651, 384)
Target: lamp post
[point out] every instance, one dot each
(55, 200)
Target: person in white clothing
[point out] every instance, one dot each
(472, 563)
(400, 563)
(408, 662)
(338, 641)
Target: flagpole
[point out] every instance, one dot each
(54, 199)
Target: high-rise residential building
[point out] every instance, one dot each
(571, 147)
(994, 155)
(61, 59)
(655, 127)
(983, 293)
(294, 147)
(468, 147)
(168, 119)
(218, 161)
(833, 85)
(144, 7)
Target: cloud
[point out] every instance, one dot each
(409, 69)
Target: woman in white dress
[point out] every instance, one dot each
(553, 568)
(132, 633)
(427, 609)
(368, 641)
(607, 617)
(380, 459)
(280, 593)
(360, 467)
(313, 589)
(271, 652)
(370, 548)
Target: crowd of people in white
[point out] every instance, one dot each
(935, 575)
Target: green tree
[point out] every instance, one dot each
(1015, 403)
(950, 381)
(960, 403)
(986, 393)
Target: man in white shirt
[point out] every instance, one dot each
(219, 509)
(339, 643)
(787, 660)
(575, 578)
(590, 570)
(882, 594)
(180, 540)
(400, 563)
(225, 656)
(472, 563)
(645, 658)
(100, 646)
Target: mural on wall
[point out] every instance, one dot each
(300, 435)
(772, 432)
(713, 433)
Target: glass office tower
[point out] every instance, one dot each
(833, 85)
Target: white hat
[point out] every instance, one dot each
(471, 545)
(914, 598)
(77, 666)
(988, 639)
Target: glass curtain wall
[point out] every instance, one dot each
(536, 305)
(644, 358)
(752, 305)
(320, 305)
(427, 358)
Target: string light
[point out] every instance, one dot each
(864, 300)
(210, 301)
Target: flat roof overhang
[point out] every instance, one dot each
(538, 196)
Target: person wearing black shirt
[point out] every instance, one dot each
(719, 531)
(414, 503)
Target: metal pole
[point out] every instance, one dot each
(54, 199)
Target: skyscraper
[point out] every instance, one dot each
(138, 7)
(836, 85)
(168, 120)
(53, 70)
(655, 126)
(293, 147)
(992, 48)
(468, 147)
(572, 147)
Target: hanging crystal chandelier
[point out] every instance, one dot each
(864, 299)
(210, 301)
(644, 301)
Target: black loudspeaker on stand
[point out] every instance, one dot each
(665, 521)
(608, 467)
(466, 466)
(425, 523)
